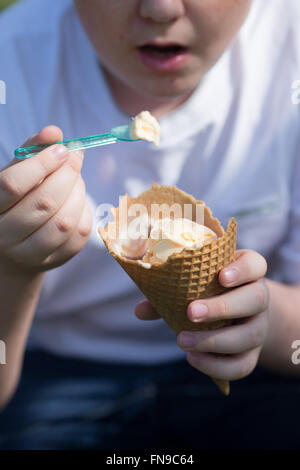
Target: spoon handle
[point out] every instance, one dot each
(72, 145)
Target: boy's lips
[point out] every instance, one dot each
(163, 57)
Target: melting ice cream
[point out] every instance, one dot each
(169, 236)
(157, 240)
(145, 126)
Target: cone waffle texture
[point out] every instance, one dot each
(185, 276)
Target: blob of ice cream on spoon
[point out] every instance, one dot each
(145, 126)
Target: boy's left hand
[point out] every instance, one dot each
(232, 352)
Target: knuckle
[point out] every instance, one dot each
(9, 185)
(46, 203)
(64, 224)
(85, 225)
(84, 230)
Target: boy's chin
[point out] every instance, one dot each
(165, 90)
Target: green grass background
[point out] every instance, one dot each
(6, 3)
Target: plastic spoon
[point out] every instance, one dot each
(120, 133)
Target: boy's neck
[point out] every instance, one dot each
(130, 102)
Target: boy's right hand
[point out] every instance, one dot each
(44, 216)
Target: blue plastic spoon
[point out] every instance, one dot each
(120, 133)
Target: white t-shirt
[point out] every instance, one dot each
(234, 144)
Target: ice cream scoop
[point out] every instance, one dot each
(145, 126)
(132, 241)
(169, 236)
(153, 241)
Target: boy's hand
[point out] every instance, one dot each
(232, 352)
(44, 217)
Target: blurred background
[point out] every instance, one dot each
(6, 3)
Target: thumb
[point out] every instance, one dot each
(48, 135)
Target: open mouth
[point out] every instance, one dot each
(163, 58)
(163, 51)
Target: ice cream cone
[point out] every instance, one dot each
(185, 276)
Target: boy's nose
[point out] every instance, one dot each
(161, 11)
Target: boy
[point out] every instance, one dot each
(218, 74)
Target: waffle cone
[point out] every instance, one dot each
(189, 275)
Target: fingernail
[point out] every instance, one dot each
(187, 340)
(198, 311)
(231, 275)
(141, 308)
(60, 151)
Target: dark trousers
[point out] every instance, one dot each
(64, 403)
